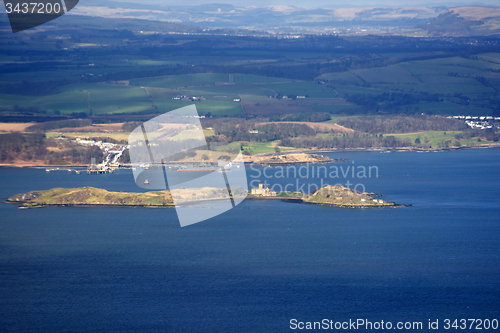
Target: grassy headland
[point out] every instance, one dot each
(90, 196)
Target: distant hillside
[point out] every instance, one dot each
(437, 21)
(465, 21)
(286, 18)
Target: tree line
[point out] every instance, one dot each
(402, 124)
(51, 125)
(488, 134)
(391, 102)
(346, 141)
(26, 147)
(316, 117)
(35, 147)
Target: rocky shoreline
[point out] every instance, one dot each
(351, 206)
(250, 160)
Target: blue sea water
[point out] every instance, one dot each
(261, 264)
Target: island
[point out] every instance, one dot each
(341, 196)
(337, 196)
(91, 196)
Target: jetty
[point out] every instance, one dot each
(109, 164)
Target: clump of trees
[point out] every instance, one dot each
(125, 158)
(129, 126)
(35, 147)
(402, 124)
(75, 155)
(488, 134)
(266, 132)
(309, 117)
(26, 147)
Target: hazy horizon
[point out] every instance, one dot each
(318, 3)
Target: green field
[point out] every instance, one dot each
(109, 99)
(475, 78)
(430, 68)
(336, 109)
(131, 71)
(445, 108)
(446, 79)
(492, 57)
(446, 89)
(390, 74)
(233, 147)
(72, 74)
(257, 147)
(254, 79)
(220, 108)
(312, 90)
(152, 62)
(176, 81)
(438, 137)
(435, 71)
(351, 90)
(342, 78)
(162, 93)
(262, 147)
(216, 108)
(66, 102)
(234, 89)
(462, 62)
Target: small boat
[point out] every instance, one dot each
(146, 182)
